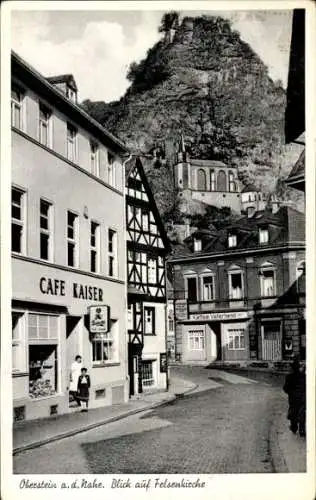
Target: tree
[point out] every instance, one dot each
(168, 21)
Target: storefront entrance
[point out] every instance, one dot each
(271, 341)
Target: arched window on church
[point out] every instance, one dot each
(201, 180)
(232, 185)
(221, 181)
(212, 179)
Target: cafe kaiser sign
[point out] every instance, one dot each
(99, 317)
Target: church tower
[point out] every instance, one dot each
(182, 173)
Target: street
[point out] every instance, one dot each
(230, 426)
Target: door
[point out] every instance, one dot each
(271, 341)
(134, 366)
(135, 374)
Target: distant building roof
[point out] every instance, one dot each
(68, 78)
(299, 168)
(208, 163)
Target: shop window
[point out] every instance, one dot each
(104, 346)
(191, 288)
(46, 233)
(44, 125)
(263, 236)
(16, 108)
(196, 340)
(208, 288)
(43, 365)
(72, 239)
(267, 280)
(149, 320)
(112, 252)
(236, 286)
(18, 220)
(94, 247)
(94, 159)
(17, 341)
(71, 143)
(236, 338)
(147, 373)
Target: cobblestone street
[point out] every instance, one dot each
(230, 428)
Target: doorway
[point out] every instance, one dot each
(134, 368)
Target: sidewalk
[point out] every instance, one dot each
(34, 433)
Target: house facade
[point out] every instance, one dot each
(239, 293)
(147, 246)
(68, 248)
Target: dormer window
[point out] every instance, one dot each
(197, 245)
(71, 94)
(263, 236)
(232, 240)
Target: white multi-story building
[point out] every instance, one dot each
(68, 247)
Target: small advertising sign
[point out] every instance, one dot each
(163, 362)
(99, 319)
(181, 309)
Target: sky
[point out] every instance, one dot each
(97, 47)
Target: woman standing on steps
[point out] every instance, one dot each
(83, 389)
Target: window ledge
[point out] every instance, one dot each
(104, 365)
(19, 374)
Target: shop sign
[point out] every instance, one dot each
(50, 286)
(99, 319)
(221, 316)
(163, 362)
(181, 309)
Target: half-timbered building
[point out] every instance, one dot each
(147, 246)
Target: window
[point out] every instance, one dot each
(71, 94)
(130, 323)
(300, 269)
(147, 373)
(191, 289)
(145, 221)
(201, 180)
(16, 108)
(44, 125)
(45, 230)
(103, 346)
(18, 221)
(196, 340)
(149, 320)
(236, 338)
(213, 186)
(94, 247)
(208, 288)
(170, 324)
(72, 239)
(43, 364)
(267, 283)
(71, 143)
(17, 341)
(263, 236)
(111, 169)
(152, 271)
(232, 240)
(112, 252)
(236, 285)
(197, 245)
(94, 156)
(232, 185)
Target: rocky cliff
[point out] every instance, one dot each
(201, 79)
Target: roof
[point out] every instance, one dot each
(250, 188)
(135, 161)
(32, 78)
(208, 163)
(287, 226)
(68, 78)
(298, 169)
